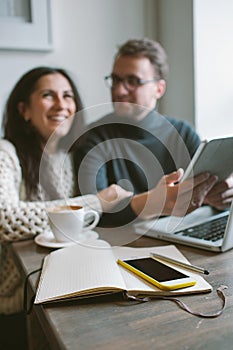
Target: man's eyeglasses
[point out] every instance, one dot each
(130, 82)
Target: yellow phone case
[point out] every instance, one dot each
(153, 281)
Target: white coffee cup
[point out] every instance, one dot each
(68, 222)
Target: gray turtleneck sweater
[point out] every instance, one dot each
(133, 154)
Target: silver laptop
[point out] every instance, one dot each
(204, 228)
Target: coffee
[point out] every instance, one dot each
(66, 208)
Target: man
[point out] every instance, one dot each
(142, 150)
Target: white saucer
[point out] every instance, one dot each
(47, 239)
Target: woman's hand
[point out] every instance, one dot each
(170, 197)
(111, 196)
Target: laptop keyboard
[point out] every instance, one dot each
(209, 231)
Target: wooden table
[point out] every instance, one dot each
(110, 324)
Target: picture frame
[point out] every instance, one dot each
(25, 28)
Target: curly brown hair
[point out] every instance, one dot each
(146, 48)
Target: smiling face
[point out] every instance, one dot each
(51, 106)
(139, 102)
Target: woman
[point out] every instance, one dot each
(40, 108)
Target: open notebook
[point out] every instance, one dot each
(204, 228)
(82, 272)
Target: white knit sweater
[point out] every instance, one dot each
(20, 219)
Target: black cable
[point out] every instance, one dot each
(27, 310)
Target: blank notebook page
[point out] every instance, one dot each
(67, 277)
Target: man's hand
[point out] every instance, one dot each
(184, 197)
(221, 195)
(170, 197)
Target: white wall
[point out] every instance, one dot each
(175, 32)
(85, 35)
(213, 43)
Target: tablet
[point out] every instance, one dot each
(214, 156)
